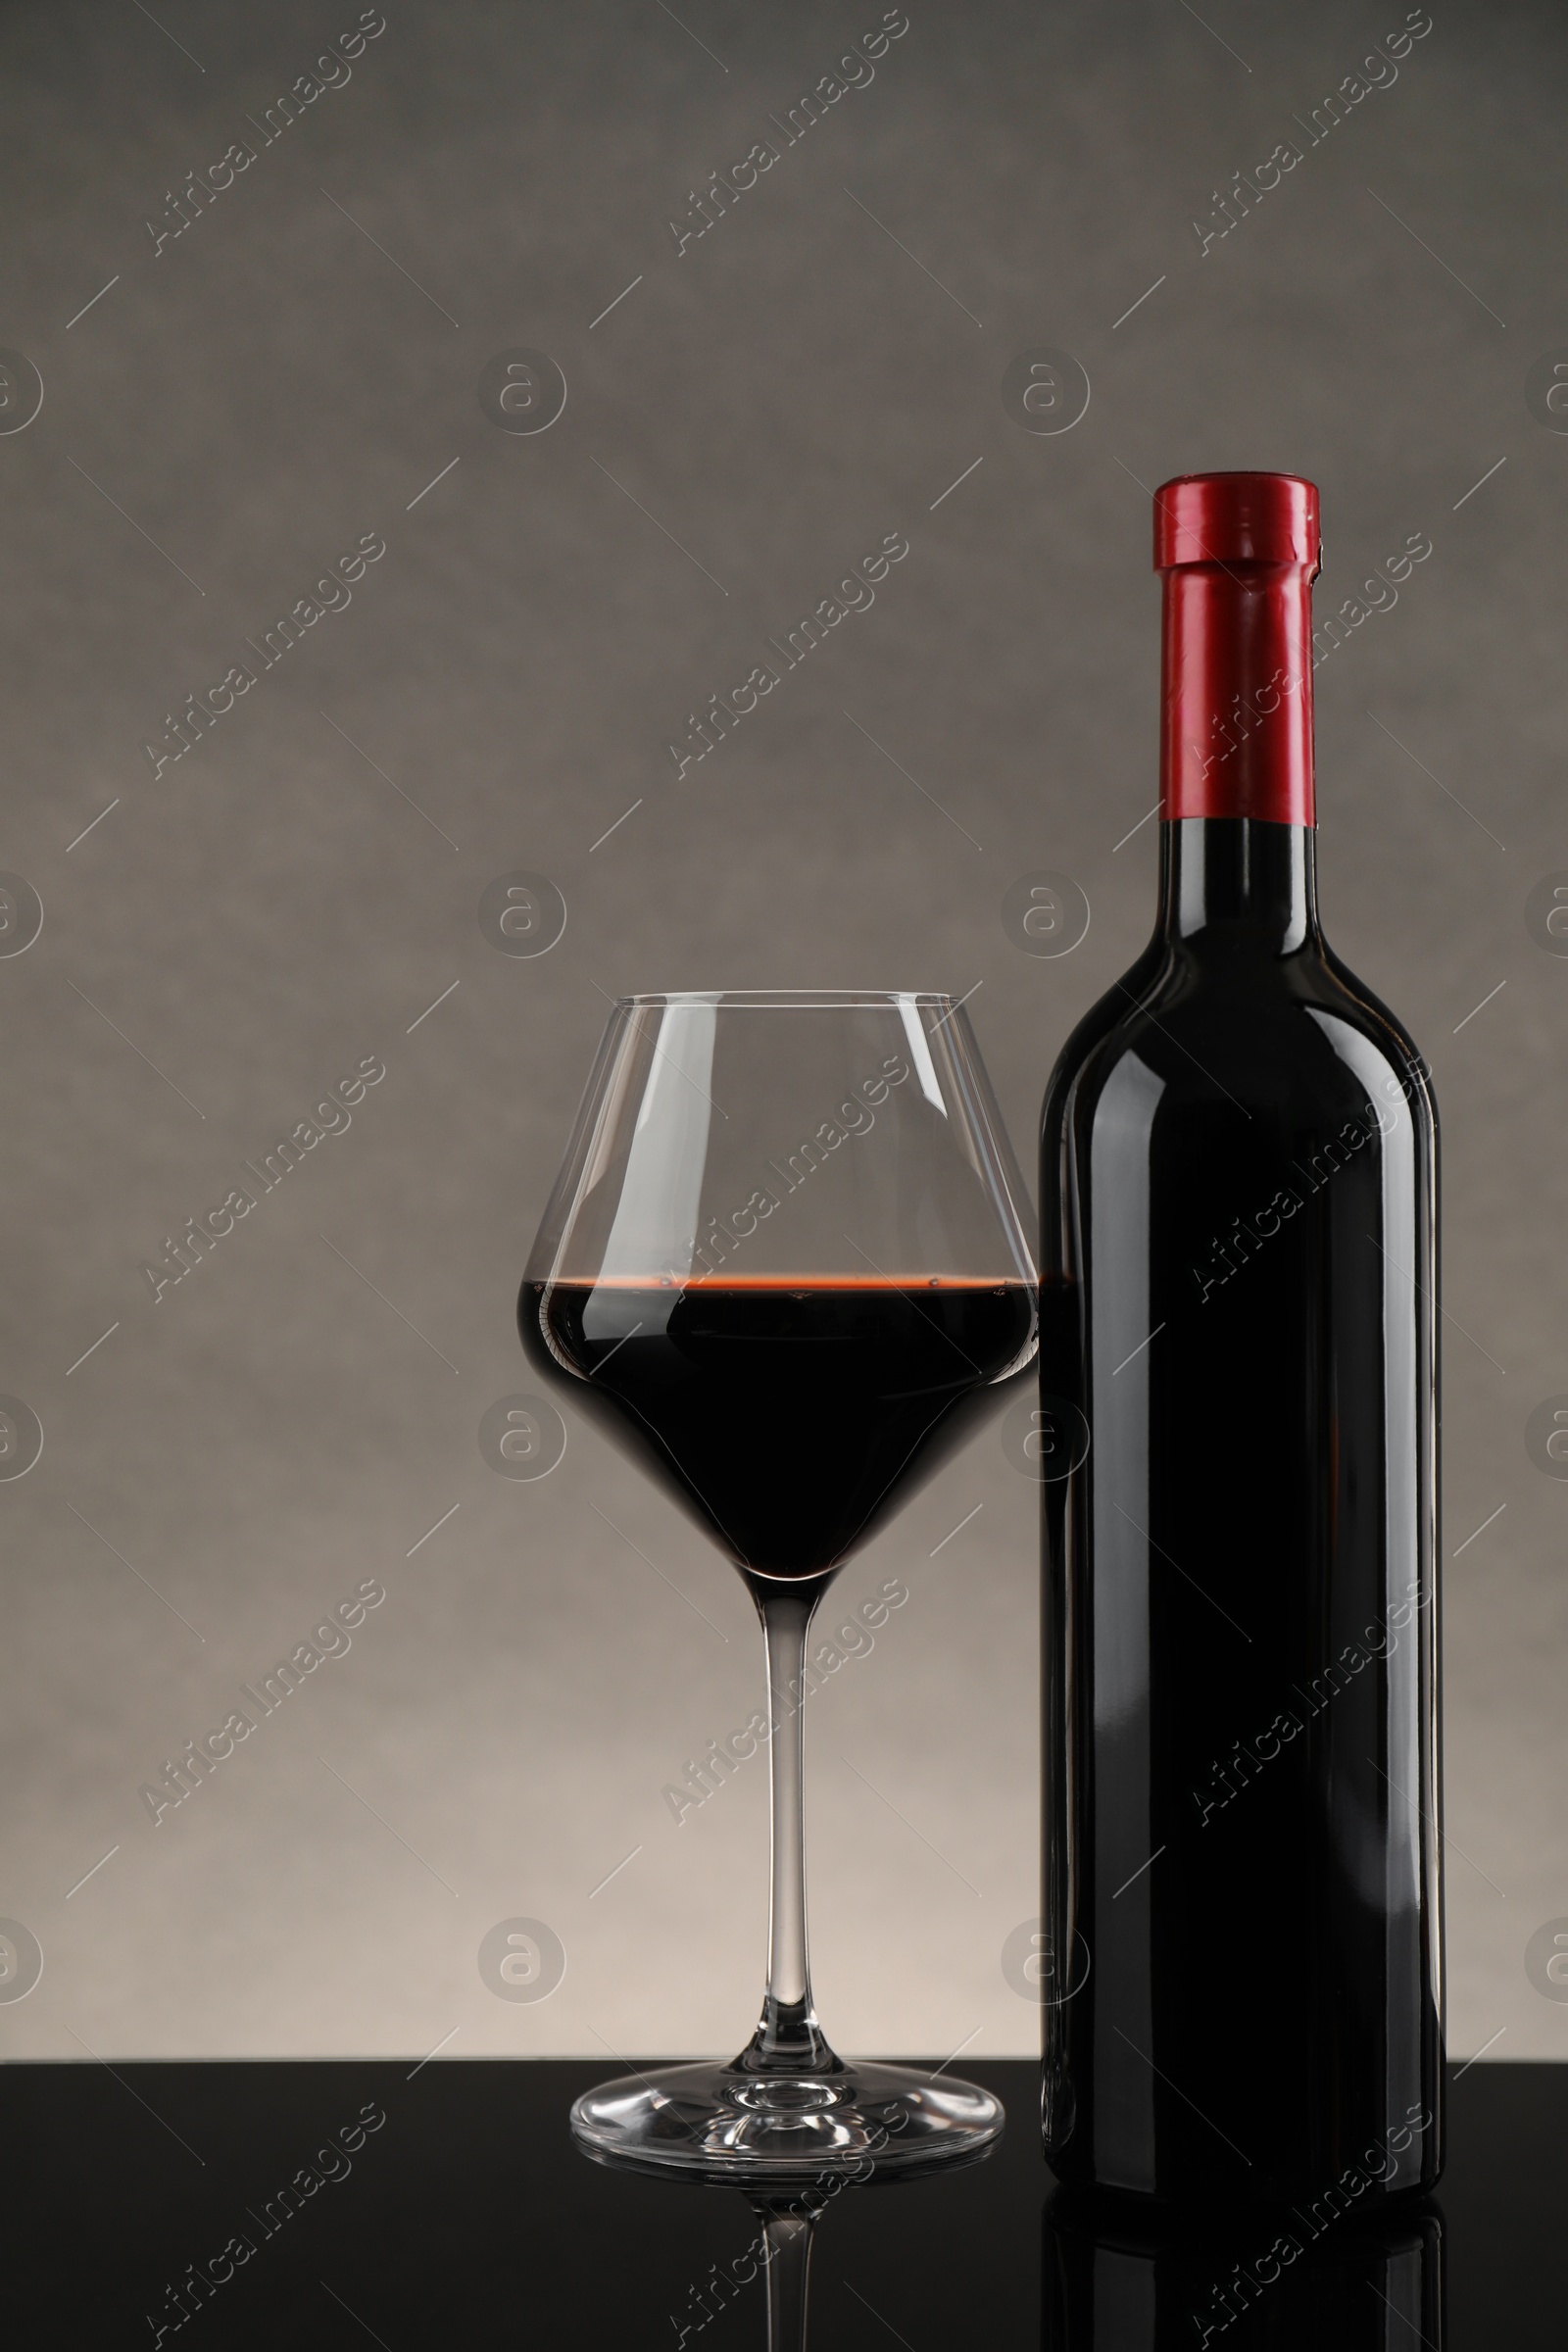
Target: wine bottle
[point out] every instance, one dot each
(1241, 1929)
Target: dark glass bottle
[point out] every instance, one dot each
(1242, 1919)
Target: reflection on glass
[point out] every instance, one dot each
(784, 1267)
(1118, 2281)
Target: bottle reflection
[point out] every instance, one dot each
(1116, 2280)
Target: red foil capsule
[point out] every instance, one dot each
(1238, 554)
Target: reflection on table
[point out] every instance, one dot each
(1117, 2279)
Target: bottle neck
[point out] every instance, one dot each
(1239, 881)
(1237, 692)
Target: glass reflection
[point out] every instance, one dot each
(779, 2251)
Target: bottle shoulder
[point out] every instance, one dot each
(1356, 1004)
(1298, 1036)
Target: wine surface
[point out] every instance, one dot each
(788, 1416)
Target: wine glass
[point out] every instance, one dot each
(784, 1267)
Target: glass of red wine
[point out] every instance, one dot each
(784, 1267)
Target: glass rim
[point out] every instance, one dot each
(771, 999)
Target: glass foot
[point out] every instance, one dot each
(735, 2124)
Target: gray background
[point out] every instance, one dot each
(271, 385)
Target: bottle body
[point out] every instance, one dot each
(1242, 1914)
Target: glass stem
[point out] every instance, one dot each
(788, 2038)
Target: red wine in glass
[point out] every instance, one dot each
(789, 1416)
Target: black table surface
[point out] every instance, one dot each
(466, 2217)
